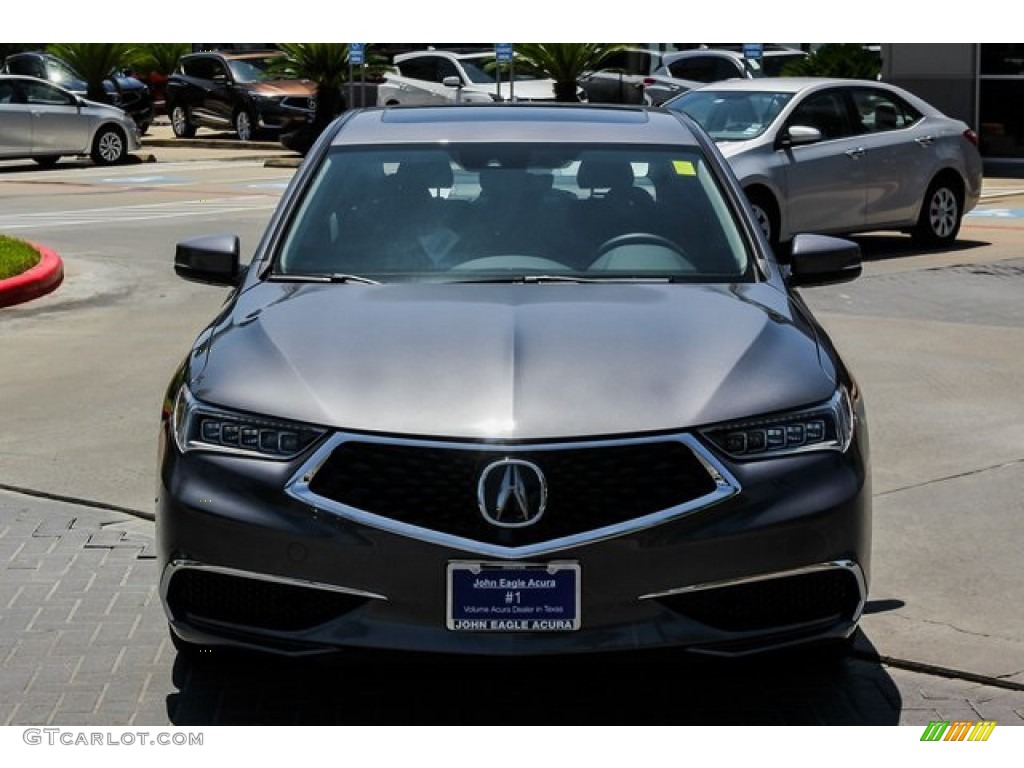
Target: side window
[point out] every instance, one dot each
(422, 68)
(25, 65)
(197, 68)
(47, 95)
(699, 68)
(880, 110)
(726, 69)
(217, 69)
(446, 68)
(8, 94)
(825, 111)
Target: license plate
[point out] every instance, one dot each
(521, 597)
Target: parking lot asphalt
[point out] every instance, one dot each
(83, 640)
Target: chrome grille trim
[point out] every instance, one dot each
(298, 487)
(846, 565)
(176, 566)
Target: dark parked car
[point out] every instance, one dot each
(238, 92)
(125, 92)
(513, 379)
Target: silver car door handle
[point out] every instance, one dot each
(925, 141)
(855, 154)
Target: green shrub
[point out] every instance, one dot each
(16, 256)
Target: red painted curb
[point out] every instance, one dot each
(41, 279)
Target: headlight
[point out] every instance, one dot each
(828, 427)
(202, 427)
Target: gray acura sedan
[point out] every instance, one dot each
(513, 379)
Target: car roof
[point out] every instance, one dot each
(514, 123)
(786, 84)
(235, 54)
(447, 54)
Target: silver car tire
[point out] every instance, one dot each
(244, 125)
(941, 214)
(180, 123)
(109, 146)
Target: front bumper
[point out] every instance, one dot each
(783, 560)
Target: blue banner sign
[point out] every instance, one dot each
(503, 51)
(753, 50)
(357, 53)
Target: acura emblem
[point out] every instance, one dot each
(512, 493)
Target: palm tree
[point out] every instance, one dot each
(326, 64)
(837, 60)
(565, 63)
(153, 63)
(95, 62)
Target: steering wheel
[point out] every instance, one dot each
(672, 257)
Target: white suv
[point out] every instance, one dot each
(444, 77)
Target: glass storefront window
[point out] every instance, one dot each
(1001, 100)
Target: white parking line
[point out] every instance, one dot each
(133, 213)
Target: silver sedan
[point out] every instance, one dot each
(841, 156)
(44, 122)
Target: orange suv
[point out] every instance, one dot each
(239, 92)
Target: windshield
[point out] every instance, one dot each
(59, 72)
(732, 115)
(251, 70)
(514, 212)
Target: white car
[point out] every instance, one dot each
(42, 121)
(684, 70)
(444, 77)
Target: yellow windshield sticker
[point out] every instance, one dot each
(684, 168)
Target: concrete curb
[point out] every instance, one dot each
(38, 281)
(214, 144)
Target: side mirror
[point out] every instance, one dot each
(798, 135)
(452, 81)
(213, 260)
(823, 260)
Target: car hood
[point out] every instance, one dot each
(511, 361)
(284, 88)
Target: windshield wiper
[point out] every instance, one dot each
(538, 279)
(335, 277)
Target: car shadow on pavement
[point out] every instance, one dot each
(882, 247)
(642, 688)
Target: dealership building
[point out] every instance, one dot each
(979, 83)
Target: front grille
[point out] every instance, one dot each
(817, 597)
(199, 595)
(588, 488)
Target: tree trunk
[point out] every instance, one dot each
(566, 91)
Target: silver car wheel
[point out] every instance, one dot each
(108, 147)
(763, 220)
(943, 212)
(179, 122)
(111, 147)
(243, 126)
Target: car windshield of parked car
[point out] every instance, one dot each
(251, 70)
(732, 115)
(514, 212)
